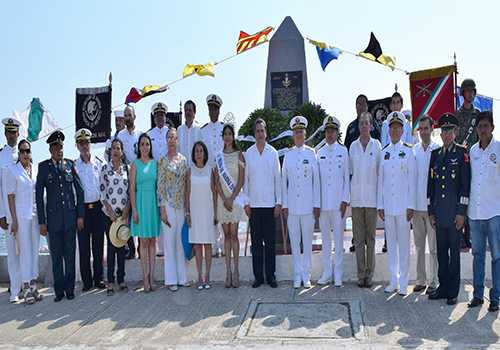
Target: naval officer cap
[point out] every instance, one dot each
(56, 138)
(83, 134)
(119, 113)
(159, 107)
(331, 122)
(396, 117)
(298, 122)
(214, 99)
(407, 113)
(448, 121)
(11, 124)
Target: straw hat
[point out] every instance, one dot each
(119, 232)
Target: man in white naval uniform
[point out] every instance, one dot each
(8, 157)
(189, 132)
(333, 163)
(158, 137)
(421, 225)
(211, 134)
(301, 199)
(129, 135)
(119, 125)
(396, 201)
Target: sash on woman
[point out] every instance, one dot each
(228, 180)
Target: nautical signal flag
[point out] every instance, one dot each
(432, 93)
(36, 121)
(326, 53)
(374, 52)
(135, 94)
(200, 69)
(248, 41)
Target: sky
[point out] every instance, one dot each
(50, 48)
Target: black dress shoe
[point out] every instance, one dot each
(58, 298)
(493, 306)
(87, 287)
(352, 248)
(436, 296)
(475, 302)
(451, 301)
(384, 247)
(273, 284)
(130, 254)
(430, 290)
(100, 285)
(70, 296)
(257, 284)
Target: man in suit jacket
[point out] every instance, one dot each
(61, 217)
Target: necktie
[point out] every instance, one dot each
(58, 166)
(446, 154)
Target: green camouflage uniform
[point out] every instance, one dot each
(464, 116)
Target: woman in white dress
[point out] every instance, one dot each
(21, 181)
(231, 163)
(200, 215)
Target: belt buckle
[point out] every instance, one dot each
(91, 206)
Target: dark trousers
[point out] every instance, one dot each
(62, 246)
(92, 230)
(263, 230)
(448, 252)
(112, 251)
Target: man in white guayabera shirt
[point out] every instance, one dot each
(189, 132)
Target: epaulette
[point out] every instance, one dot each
(204, 125)
(408, 144)
(1, 149)
(43, 161)
(99, 159)
(436, 149)
(70, 160)
(385, 146)
(461, 146)
(311, 148)
(150, 129)
(288, 150)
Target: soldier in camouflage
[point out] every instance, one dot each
(467, 114)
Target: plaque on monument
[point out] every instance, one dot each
(286, 90)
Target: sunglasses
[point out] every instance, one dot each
(25, 151)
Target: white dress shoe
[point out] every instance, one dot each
(403, 291)
(186, 284)
(338, 282)
(324, 280)
(14, 298)
(174, 288)
(307, 284)
(391, 288)
(296, 283)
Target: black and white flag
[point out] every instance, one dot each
(93, 112)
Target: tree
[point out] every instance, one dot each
(315, 116)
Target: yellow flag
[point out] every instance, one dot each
(200, 69)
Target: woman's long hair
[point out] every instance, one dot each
(139, 145)
(231, 128)
(120, 142)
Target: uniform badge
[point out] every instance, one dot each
(305, 161)
(493, 157)
(387, 155)
(453, 176)
(466, 155)
(402, 155)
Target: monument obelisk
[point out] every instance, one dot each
(286, 77)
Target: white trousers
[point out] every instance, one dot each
(175, 259)
(159, 241)
(301, 226)
(397, 231)
(422, 228)
(331, 220)
(28, 236)
(13, 263)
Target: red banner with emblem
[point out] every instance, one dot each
(432, 92)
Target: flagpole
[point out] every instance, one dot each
(455, 76)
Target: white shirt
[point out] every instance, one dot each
(422, 161)
(363, 166)
(159, 140)
(187, 138)
(8, 156)
(333, 163)
(484, 200)
(262, 177)
(23, 187)
(397, 180)
(129, 140)
(407, 137)
(300, 181)
(90, 176)
(212, 137)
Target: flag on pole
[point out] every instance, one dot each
(432, 93)
(200, 69)
(135, 94)
(36, 121)
(326, 53)
(374, 52)
(247, 41)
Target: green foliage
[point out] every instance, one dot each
(315, 116)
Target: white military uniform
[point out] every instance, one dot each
(187, 138)
(212, 137)
(396, 194)
(129, 140)
(107, 152)
(407, 137)
(159, 141)
(333, 163)
(300, 191)
(90, 175)
(8, 157)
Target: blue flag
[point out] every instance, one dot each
(482, 102)
(326, 53)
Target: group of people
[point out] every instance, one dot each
(166, 181)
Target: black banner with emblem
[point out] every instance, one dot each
(173, 119)
(380, 109)
(93, 112)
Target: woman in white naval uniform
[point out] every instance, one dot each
(21, 181)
